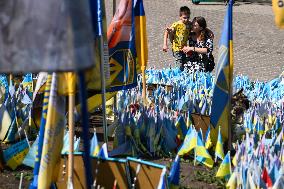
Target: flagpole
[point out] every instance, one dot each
(231, 68)
(30, 113)
(142, 50)
(10, 79)
(71, 105)
(194, 162)
(103, 61)
(85, 126)
(115, 97)
(195, 148)
(230, 162)
(1, 159)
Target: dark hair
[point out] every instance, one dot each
(202, 23)
(184, 10)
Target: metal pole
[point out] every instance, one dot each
(103, 60)
(113, 13)
(231, 68)
(103, 89)
(85, 125)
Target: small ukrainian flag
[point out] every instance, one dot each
(202, 154)
(208, 142)
(225, 167)
(219, 151)
(181, 127)
(173, 178)
(95, 148)
(189, 143)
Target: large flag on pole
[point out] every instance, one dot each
(94, 75)
(121, 43)
(141, 42)
(140, 36)
(220, 115)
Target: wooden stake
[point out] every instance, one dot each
(71, 105)
(21, 181)
(144, 85)
(70, 77)
(2, 162)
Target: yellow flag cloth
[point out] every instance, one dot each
(67, 83)
(232, 183)
(95, 101)
(278, 9)
(225, 167)
(190, 142)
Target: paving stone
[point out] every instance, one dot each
(258, 43)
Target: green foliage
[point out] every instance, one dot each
(205, 177)
(26, 175)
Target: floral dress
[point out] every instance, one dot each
(197, 61)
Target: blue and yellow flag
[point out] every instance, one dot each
(225, 167)
(173, 178)
(189, 143)
(4, 88)
(140, 36)
(233, 181)
(28, 82)
(121, 43)
(95, 148)
(16, 153)
(222, 91)
(34, 183)
(94, 75)
(219, 150)
(260, 127)
(103, 153)
(181, 127)
(53, 136)
(208, 141)
(202, 154)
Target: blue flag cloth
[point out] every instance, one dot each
(103, 151)
(173, 178)
(34, 183)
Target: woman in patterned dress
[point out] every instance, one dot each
(200, 47)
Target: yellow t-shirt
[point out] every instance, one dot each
(180, 35)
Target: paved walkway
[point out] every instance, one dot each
(258, 44)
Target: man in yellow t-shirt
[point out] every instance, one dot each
(178, 34)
